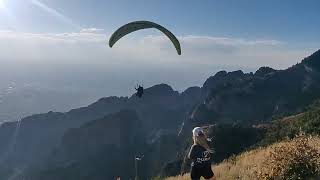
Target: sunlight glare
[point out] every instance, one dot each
(2, 4)
(54, 13)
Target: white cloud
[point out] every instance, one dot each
(233, 52)
(90, 46)
(207, 40)
(91, 30)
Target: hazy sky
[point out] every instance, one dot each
(63, 43)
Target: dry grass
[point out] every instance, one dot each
(276, 161)
(296, 159)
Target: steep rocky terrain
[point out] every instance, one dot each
(262, 96)
(99, 149)
(31, 140)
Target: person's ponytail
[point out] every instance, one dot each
(202, 141)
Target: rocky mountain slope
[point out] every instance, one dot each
(260, 96)
(160, 108)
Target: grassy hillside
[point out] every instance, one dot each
(283, 152)
(291, 126)
(295, 158)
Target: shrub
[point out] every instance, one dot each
(292, 160)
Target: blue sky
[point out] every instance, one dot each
(214, 35)
(289, 20)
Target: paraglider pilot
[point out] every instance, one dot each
(139, 91)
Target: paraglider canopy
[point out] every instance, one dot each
(138, 25)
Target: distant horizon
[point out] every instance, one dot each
(131, 93)
(43, 70)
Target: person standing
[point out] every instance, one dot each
(200, 155)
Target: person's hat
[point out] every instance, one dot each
(197, 131)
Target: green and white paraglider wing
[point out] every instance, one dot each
(138, 25)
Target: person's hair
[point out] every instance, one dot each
(202, 141)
